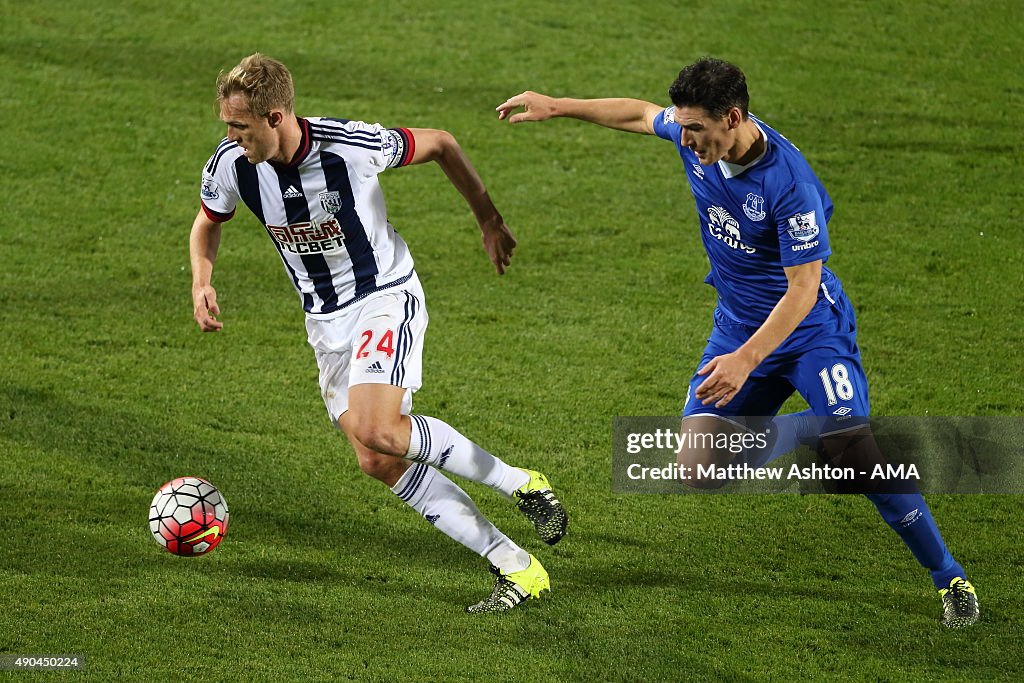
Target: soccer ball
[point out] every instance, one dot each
(188, 516)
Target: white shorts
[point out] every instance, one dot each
(376, 341)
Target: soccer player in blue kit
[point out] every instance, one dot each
(783, 321)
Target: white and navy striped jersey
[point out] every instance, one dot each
(324, 211)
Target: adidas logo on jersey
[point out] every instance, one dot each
(375, 368)
(291, 193)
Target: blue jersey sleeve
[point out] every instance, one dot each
(665, 125)
(801, 223)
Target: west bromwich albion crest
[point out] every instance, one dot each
(331, 201)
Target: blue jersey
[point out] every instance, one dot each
(756, 220)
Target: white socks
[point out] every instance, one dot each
(447, 507)
(436, 443)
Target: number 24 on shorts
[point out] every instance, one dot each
(386, 343)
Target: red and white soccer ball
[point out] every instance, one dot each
(188, 516)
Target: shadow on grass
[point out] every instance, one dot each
(135, 446)
(82, 500)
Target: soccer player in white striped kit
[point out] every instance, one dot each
(312, 182)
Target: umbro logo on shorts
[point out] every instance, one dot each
(375, 368)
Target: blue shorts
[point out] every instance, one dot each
(821, 362)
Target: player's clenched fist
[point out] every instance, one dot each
(536, 107)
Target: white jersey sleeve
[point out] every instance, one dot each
(218, 190)
(369, 147)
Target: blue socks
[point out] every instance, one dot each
(908, 515)
(791, 431)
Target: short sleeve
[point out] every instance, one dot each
(218, 190)
(398, 146)
(801, 224)
(368, 148)
(665, 125)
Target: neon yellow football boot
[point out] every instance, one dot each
(513, 589)
(537, 502)
(960, 602)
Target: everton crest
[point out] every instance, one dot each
(754, 207)
(331, 201)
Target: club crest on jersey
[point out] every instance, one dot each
(803, 226)
(722, 226)
(331, 201)
(754, 207)
(209, 189)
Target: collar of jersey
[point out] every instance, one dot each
(304, 144)
(733, 170)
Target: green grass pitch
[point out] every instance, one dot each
(908, 111)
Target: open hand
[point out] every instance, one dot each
(536, 107)
(725, 377)
(204, 302)
(498, 243)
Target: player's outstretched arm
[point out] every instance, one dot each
(202, 246)
(441, 146)
(634, 116)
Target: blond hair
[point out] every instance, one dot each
(265, 82)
